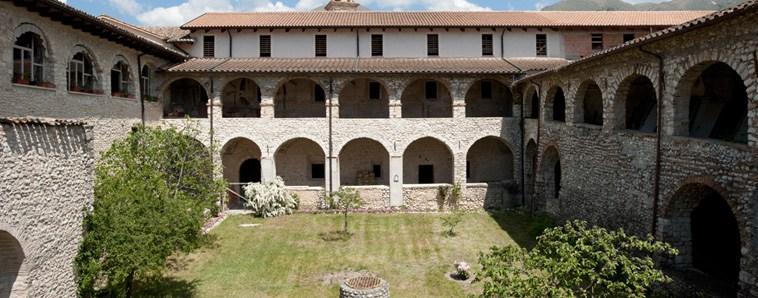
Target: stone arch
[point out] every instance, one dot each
(711, 102)
(241, 98)
(300, 98)
(489, 98)
(551, 171)
(489, 159)
(427, 99)
(428, 160)
(364, 161)
(83, 71)
(122, 80)
(555, 104)
(588, 104)
(531, 103)
(241, 161)
(635, 104)
(530, 166)
(699, 219)
(14, 269)
(364, 98)
(31, 39)
(185, 97)
(301, 162)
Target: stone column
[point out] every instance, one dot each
(458, 90)
(332, 176)
(396, 180)
(395, 88)
(268, 169)
(459, 107)
(459, 168)
(396, 108)
(268, 88)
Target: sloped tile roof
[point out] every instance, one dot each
(743, 8)
(347, 19)
(369, 65)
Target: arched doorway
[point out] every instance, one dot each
(364, 162)
(300, 98)
(489, 160)
(589, 104)
(489, 98)
(530, 165)
(12, 267)
(427, 99)
(427, 161)
(241, 98)
(185, 98)
(556, 104)
(241, 159)
(551, 179)
(702, 226)
(712, 103)
(364, 98)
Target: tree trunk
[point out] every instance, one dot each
(130, 284)
(345, 228)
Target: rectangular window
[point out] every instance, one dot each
(377, 171)
(209, 46)
(432, 45)
(374, 90)
(597, 41)
(486, 90)
(318, 171)
(431, 90)
(377, 45)
(541, 45)
(320, 45)
(628, 37)
(265, 45)
(487, 49)
(425, 174)
(318, 94)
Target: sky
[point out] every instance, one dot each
(177, 12)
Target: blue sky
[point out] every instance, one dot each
(176, 12)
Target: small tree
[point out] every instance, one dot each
(344, 199)
(269, 199)
(151, 193)
(450, 221)
(575, 260)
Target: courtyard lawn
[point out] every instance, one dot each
(287, 257)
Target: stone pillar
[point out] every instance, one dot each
(268, 88)
(459, 107)
(458, 90)
(332, 176)
(215, 107)
(396, 108)
(396, 181)
(395, 88)
(459, 168)
(268, 169)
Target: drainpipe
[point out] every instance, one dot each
(357, 43)
(658, 134)
(523, 163)
(539, 127)
(230, 43)
(212, 133)
(331, 147)
(139, 85)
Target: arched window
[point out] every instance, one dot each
(589, 104)
(144, 78)
(81, 74)
(557, 104)
(121, 80)
(29, 60)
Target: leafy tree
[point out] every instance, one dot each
(270, 199)
(152, 191)
(344, 199)
(575, 261)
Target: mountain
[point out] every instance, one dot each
(621, 5)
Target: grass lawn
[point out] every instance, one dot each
(287, 257)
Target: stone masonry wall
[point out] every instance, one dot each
(608, 172)
(46, 182)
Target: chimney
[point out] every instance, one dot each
(341, 5)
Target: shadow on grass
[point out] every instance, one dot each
(166, 287)
(335, 236)
(522, 227)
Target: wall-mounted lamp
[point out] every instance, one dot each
(396, 178)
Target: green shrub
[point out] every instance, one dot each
(344, 199)
(575, 260)
(270, 199)
(450, 221)
(152, 191)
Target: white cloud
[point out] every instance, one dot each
(64, 1)
(130, 7)
(425, 4)
(644, 1)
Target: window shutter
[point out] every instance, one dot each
(377, 45)
(265, 46)
(432, 45)
(487, 48)
(209, 46)
(320, 45)
(541, 45)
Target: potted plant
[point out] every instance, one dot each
(47, 85)
(20, 80)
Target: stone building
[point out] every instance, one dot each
(552, 111)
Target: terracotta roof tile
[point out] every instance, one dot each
(750, 6)
(369, 65)
(347, 19)
(170, 34)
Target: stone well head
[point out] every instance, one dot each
(365, 286)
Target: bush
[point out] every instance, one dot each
(450, 221)
(575, 260)
(269, 199)
(152, 191)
